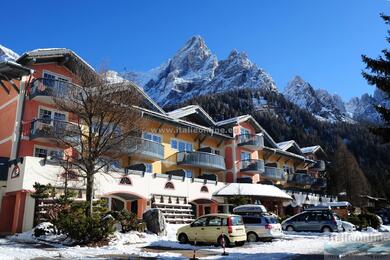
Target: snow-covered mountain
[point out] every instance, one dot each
(7, 54)
(323, 105)
(362, 109)
(326, 106)
(194, 70)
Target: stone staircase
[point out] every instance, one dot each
(176, 210)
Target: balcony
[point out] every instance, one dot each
(319, 184)
(252, 166)
(274, 173)
(49, 130)
(44, 90)
(301, 179)
(252, 142)
(319, 166)
(148, 149)
(204, 160)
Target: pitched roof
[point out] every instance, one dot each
(192, 110)
(286, 145)
(12, 70)
(311, 149)
(180, 122)
(258, 128)
(66, 56)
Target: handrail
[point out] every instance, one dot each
(201, 159)
(49, 87)
(252, 165)
(275, 173)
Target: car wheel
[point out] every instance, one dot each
(326, 230)
(290, 228)
(252, 237)
(227, 242)
(183, 239)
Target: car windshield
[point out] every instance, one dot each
(236, 220)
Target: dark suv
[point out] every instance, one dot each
(314, 220)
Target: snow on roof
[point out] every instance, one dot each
(251, 189)
(233, 120)
(339, 204)
(48, 52)
(188, 110)
(288, 144)
(310, 149)
(180, 121)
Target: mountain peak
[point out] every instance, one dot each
(194, 70)
(7, 54)
(320, 102)
(195, 44)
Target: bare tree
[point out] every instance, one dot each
(103, 123)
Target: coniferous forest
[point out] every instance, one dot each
(359, 163)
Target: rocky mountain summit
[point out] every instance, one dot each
(320, 102)
(194, 70)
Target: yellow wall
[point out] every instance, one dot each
(168, 132)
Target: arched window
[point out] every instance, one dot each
(125, 180)
(69, 175)
(204, 189)
(169, 185)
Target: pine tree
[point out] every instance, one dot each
(347, 176)
(378, 74)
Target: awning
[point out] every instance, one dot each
(252, 190)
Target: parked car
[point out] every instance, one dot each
(259, 224)
(315, 220)
(347, 226)
(212, 228)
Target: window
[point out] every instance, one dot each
(152, 137)
(244, 131)
(214, 221)
(251, 220)
(204, 189)
(173, 144)
(188, 173)
(43, 153)
(169, 185)
(201, 222)
(181, 145)
(245, 156)
(271, 220)
(45, 115)
(48, 115)
(125, 180)
(56, 154)
(149, 167)
(39, 152)
(70, 175)
(236, 220)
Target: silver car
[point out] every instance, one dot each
(313, 221)
(263, 227)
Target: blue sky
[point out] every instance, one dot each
(319, 40)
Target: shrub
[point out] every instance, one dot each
(354, 219)
(371, 220)
(73, 222)
(128, 221)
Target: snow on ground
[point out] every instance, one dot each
(132, 243)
